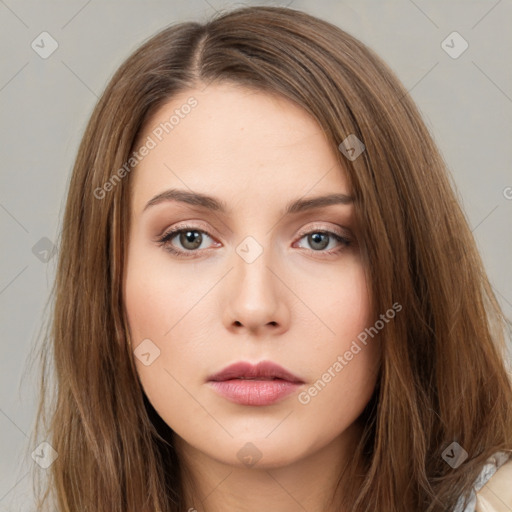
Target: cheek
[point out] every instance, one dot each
(333, 402)
(163, 324)
(148, 306)
(344, 361)
(342, 303)
(156, 295)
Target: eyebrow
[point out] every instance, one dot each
(214, 204)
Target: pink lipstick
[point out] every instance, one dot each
(262, 384)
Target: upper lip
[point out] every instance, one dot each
(266, 370)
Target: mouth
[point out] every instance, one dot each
(265, 370)
(262, 384)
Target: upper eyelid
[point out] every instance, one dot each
(339, 231)
(181, 226)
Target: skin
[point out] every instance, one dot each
(294, 305)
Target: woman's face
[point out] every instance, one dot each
(257, 274)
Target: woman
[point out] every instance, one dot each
(268, 296)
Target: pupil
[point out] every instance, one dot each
(191, 237)
(316, 238)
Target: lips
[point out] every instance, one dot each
(263, 384)
(265, 370)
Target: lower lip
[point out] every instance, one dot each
(254, 392)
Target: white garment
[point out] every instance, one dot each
(491, 466)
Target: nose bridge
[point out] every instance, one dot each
(255, 299)
(252, 261)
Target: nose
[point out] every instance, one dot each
(257, 298)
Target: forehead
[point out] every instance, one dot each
(235, 142)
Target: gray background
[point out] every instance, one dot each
(45, 104)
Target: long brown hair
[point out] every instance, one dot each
(443, 376)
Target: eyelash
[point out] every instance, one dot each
(165, 239)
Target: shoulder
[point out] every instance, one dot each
(496, 494)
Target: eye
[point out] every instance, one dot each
(319, 240)
(190, 238)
